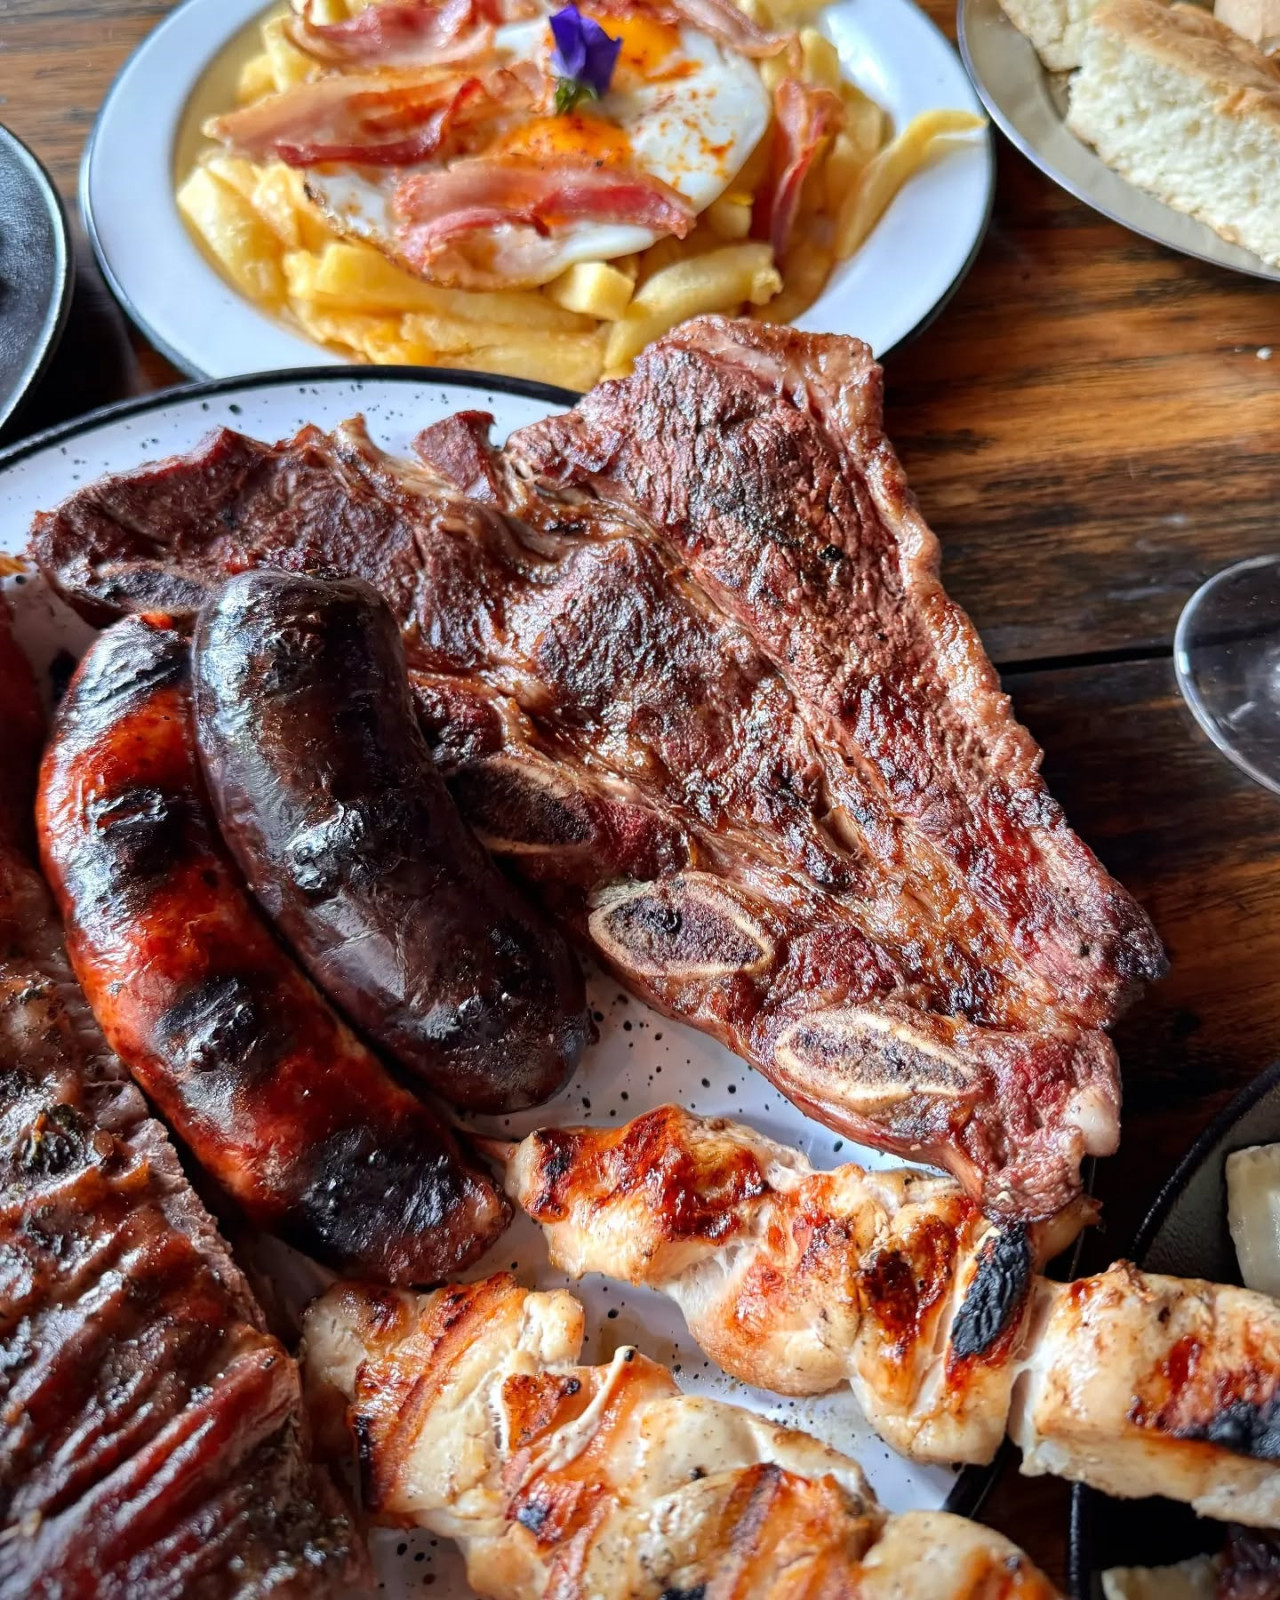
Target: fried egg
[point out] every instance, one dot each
(681, 107)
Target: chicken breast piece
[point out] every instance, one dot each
(1139, 1384)
(475, 1421)
(796, 1280)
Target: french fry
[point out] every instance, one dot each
(820, 57)
(784, 14)
(257, 78)
(351, 331)
(773, 69)
(841, 171)
(300, 268)
(804, 276)
(573, 361)
(720, 281)
(280, 199)
(358, 278)
(236, 172)
(866, 204)
(289, 65)
(865, 124)
(667, 252)
(449, 336)
(235, 235)
(593, 288)
(325, 12)
(729, 217)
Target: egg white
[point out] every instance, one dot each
(718, 105)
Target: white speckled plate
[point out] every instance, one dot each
(641, 1060)
(148, 128)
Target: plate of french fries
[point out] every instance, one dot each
(845, 185)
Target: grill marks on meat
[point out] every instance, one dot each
(474, 1420)
(129, 1342)
(797, 1281)
(1141, 1384)
(277, 1099)
(687, 666)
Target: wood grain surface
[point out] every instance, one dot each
(1092, 426)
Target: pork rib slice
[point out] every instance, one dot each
(152, 1435)
(734, 735)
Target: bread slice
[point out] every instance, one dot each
(1186, 109)
(1258, 20)
(1055, 27)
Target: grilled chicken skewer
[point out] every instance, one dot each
(153, 1441)
(561, 1480)
(798, 1280)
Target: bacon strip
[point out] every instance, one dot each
(807, 114)
(367, 120)
(437, 209)
(415, 33)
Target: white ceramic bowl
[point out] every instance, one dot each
(906, 269)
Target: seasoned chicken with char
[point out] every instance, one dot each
(798, 1280)
(474, 1420)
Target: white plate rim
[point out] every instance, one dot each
(963, 179)
(970, 1484)
(1173, 229)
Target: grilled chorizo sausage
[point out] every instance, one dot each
(293, 1116)
(331, 804)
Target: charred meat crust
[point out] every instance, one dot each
(685, 662)
(996, 1297)
(330, 802)
(128, 1338)
(297, 1121)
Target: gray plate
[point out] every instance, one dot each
(1185, 1234)
(1029, 105)
(35, 271)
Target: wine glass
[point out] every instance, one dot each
(1226, 652)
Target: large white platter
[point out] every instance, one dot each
(641, 1060)
(1029, 106)
(907, 268)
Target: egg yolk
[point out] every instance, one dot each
(646, 43)
(577, 134)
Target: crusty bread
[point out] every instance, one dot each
(1258, 20)
(1188, 110)
(1055, 27)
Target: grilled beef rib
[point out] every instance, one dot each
(690, 671)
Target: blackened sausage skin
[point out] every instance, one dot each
(295, 1118)
(331, 804)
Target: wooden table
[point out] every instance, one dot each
(1093, 426)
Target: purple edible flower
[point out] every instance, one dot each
(583, 59)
